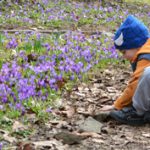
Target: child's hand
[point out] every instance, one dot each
(107, 108)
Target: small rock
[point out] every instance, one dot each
(91, 125)
(68, 138)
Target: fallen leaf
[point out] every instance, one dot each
(52, 144)
(62, 124)
(70, 111)
(35, 29)
(31, 57)
(91, 109)
(9, 138)
(88, 134)
(99, 141)
(55, 122)
(29, 146)
(61, 83)
(40, 27)
(18, 126)
(104, 100)
(44, 143)
(58, 103)
(147, 135)
(80, 94)
(25, 146)
(84, 113)
(111, 89)
(108, 72)
(5, 135)
(3, 131)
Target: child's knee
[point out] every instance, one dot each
(146, 72)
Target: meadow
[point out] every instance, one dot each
(48, 47)
(37, 66)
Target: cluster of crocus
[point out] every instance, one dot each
(12, 44)
(37, 75)
(56, 13)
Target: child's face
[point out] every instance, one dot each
(129, 54)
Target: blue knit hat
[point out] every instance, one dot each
(131, 34)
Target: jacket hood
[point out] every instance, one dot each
(145, 49)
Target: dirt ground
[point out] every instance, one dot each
(85, 101)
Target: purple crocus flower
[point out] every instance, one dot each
(18, 106)
(1, 146)
(49, 110)
(4, 99)
(47, 47)
(110, 9)
(52, 81)
(12, 44)
(1, 107)
(72, 77)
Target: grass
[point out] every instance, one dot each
(64, 16)
(139, 1)
(35, 45)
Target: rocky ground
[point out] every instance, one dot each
(80, 125)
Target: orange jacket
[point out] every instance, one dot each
(126, 98)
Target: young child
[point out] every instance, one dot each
(132, 39)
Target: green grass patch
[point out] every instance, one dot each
(139, 1)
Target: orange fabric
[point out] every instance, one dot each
(126, 98)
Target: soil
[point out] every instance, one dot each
(85, 101)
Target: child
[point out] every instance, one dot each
(132, 39)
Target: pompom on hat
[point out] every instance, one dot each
(131, 34)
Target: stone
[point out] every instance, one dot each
(91, 125)
(68, 138)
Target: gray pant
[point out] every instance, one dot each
(141, 98)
